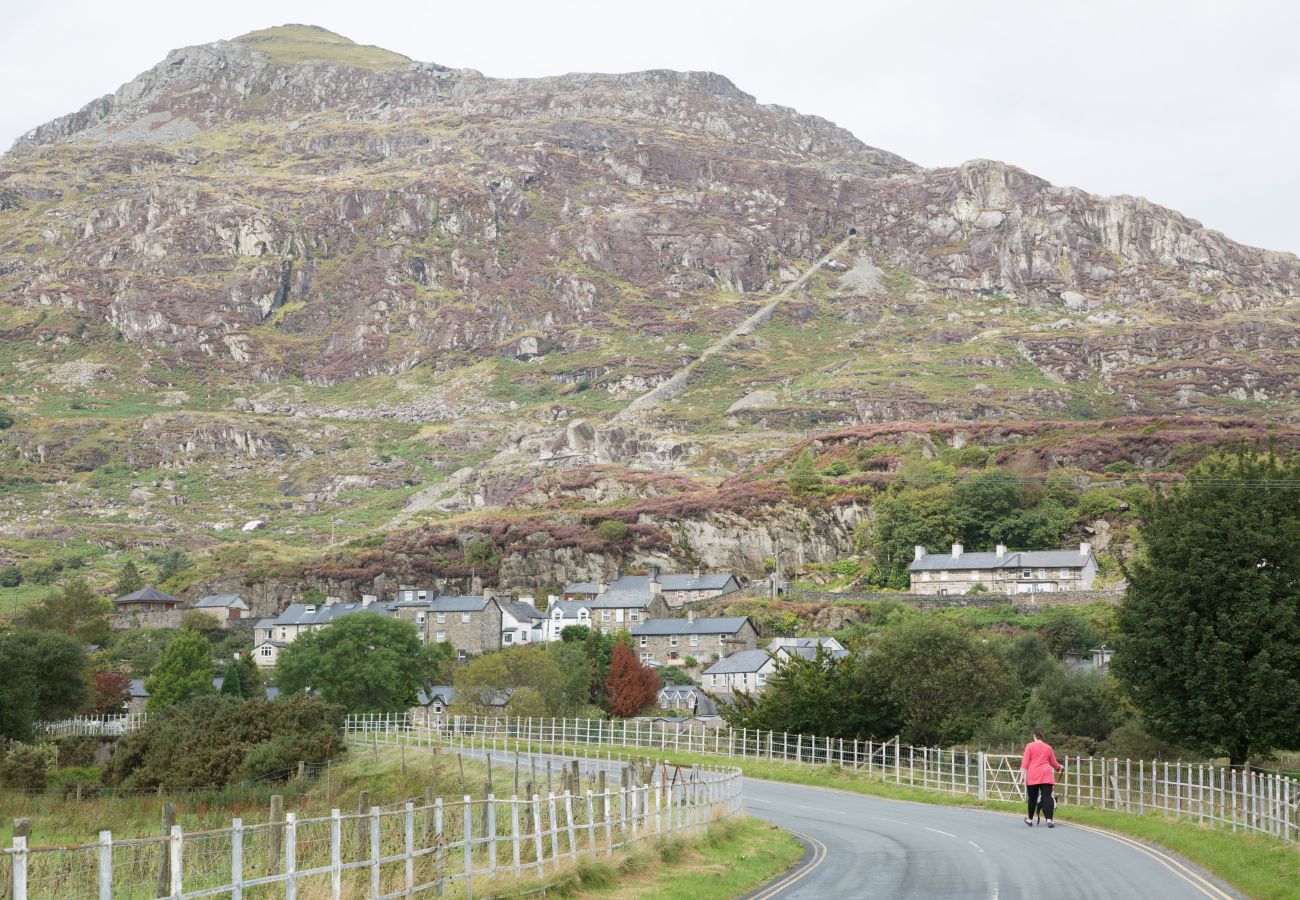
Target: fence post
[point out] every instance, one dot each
(291, 856)
(363, 807)
(106, 865)
(336, 855)
(983, 778)
(537, 833)
(178, 869)
(236, 859)
(410, 848)
(514, 833)
(276, 853)
(591, 822)
(19, 865)
(469, 847)
(374, 852)
(490, 832)
(164, 856)
(440, 854)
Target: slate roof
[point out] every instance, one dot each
(219, 601)
(689, 582)
(716, 625)
(147, 595)
(621, 599)
(441, 692)
(568, 608)
(806, 647)
(320, 613)
(677, 693)
(1016, 559)
(744, 661)
(521, 610)
(137, 688)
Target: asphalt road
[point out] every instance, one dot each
(872, 847)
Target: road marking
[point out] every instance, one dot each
(819, 857)
(1195, 879)
(937, 831)
(976, 846)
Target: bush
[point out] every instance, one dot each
(26, 767)
(837, 469)
(6, 419)
(42, 572)
(11, 577)
(612, 530)
(90, 779)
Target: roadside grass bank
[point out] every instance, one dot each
(730, 859)
(1256, 865)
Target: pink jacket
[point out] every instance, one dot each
(1039, 763)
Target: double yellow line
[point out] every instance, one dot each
(1191, 876)
(818, 857)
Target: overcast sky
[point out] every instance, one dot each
(1193, 104)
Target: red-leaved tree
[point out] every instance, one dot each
(631, 687)
(108, 692)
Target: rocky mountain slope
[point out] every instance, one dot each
(292, 278)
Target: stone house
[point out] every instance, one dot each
(273, 634)
(471, 624)
(671, 641)
(432, 704)
(746, 671)
(1003, 571)
(225, 608)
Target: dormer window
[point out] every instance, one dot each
(310, 608)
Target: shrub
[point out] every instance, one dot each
(837, 469)
(612, 530)
(26, 767)
(6, 419)
(11, 577)
(90, 779)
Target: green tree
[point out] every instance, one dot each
(74, 611)
(1087, 704)
(128, 579)
(803, 475)
(184, 671)
(1209, 645)
(11, 576)
(485, 684)
(232, 680)
(903, 519)
(981, 504)
(1064, 629)
(823, 695)
(251, 682)
(365, 662)
(42, 676)
(1028, 660)
(612, 530)
(171, 563)
(942, 680)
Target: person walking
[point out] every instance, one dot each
(1037, 772)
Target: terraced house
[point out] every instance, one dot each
(1003, 571)
(273, 634)
(673, 641)
(470, 623)
(677, 590)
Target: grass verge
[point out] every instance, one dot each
(731, 858)
(1256, 865)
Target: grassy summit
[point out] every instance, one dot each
(288, 44)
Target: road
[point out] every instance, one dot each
(873, 847)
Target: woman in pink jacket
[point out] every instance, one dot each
(1037, 768)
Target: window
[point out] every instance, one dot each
(440, 637)
(284, 634)
(1027, 573)
(618, 615)
(762, 678)
(442, 618)
(604, 615)
(925, 576)
(507, 638)
(464, 617)
(943, 576)
(647, 657)
(419, 619)
(1066, 573)
(634, 616)
(695, 640)
(672, 641)
(461, 655)
(644, 640)
(673, 655)
(266, 651)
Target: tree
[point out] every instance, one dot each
(941, 680)
(612, 530)
(109, 692)
(904, 518)
(803, 475)
(184, 671)
(981, 503)
(232, 680)
(1065, 629)
(631, 686)
(251, 684)
(1087, 704)
(365, 662)
(11, 576)
(825, 695)
(171, 563)
(1028, 660)
(1209, 631)
(486, 683)
(74, 611)
(42, 676)
(128, 579)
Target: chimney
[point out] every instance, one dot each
(690, 615)
(1085, 548)
(655, 586)
(489, 594)
(1002, 550)
(699, 572)
(956, 551)
(476, 586)
(367, 599)
(618, 573)
(602, 587)
(919, 551)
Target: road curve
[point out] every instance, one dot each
(862, 846)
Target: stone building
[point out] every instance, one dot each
(471, 624)
(273, 634)
(1003, 571)
(677, 590)
(672, 641)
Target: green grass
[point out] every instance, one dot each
(1257, 865)
(732, 858)
(289, 44)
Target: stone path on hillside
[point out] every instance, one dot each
(679, 379)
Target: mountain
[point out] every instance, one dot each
(292, 278)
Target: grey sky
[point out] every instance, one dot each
(1193, 104)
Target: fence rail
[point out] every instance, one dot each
(399, 850)
(1209, 794)
(92, 726)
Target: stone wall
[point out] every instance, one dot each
(1028, 602)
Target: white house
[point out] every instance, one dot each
(521, 622)
(1003, 571)
(563, 613)
(806, 647)
(747, 671)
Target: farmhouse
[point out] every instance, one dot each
(672, 641)
(1003, 571)
(563, 613)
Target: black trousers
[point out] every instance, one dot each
(1040, 797)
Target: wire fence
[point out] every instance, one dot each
(1209, 794)
(440, 845)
